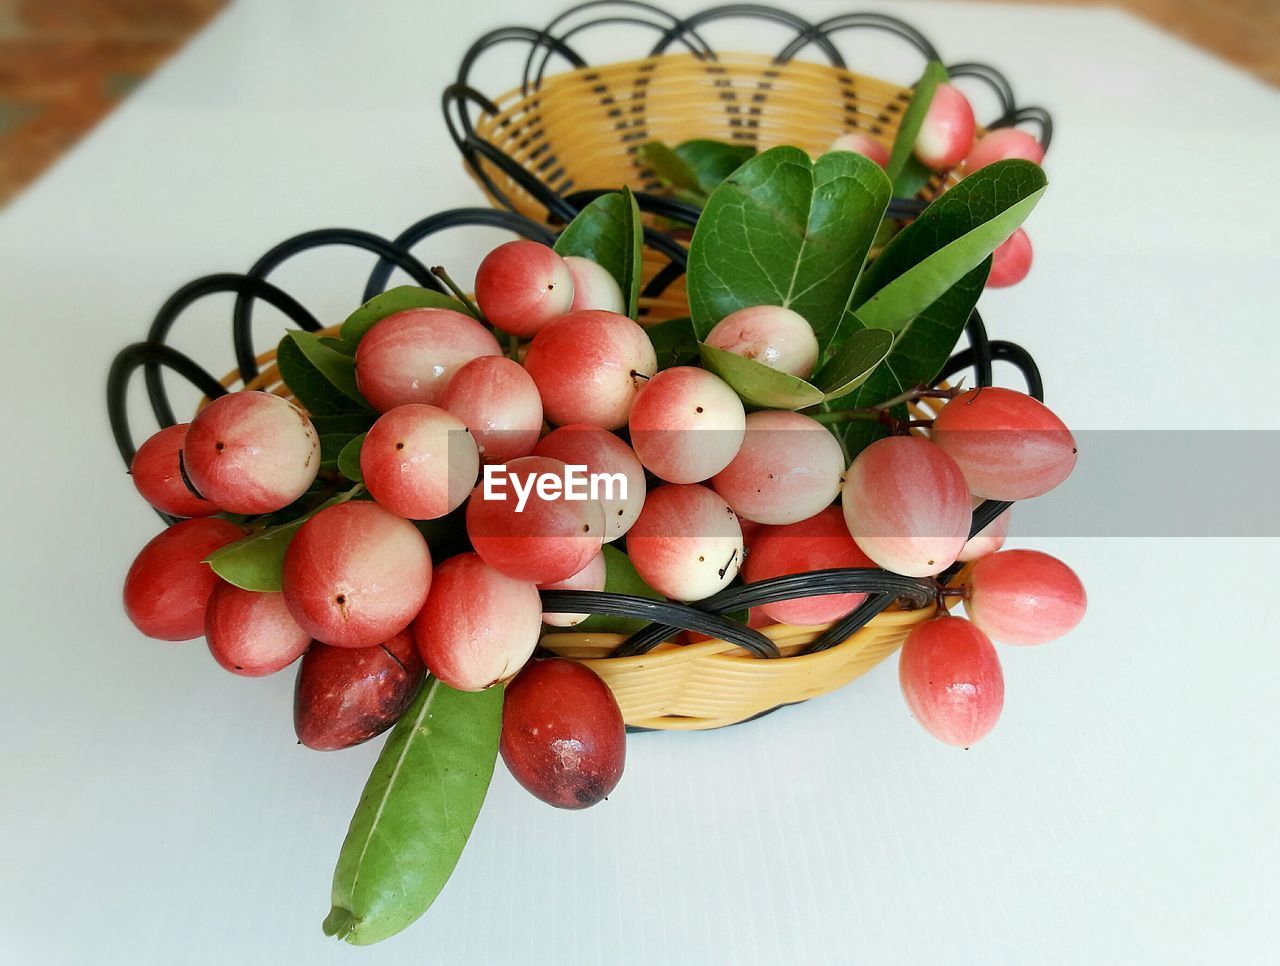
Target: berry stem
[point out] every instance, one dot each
(439, 272)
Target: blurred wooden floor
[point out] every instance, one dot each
(65, 63)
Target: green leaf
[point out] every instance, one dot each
(620, 577)
(901, 172)
(673, 342)
(758, 384)
(392, 301)
(349, 459)
(713, 161)
(331, 446)
(311, 387)
(609, 232)
(668, 166)
(338, 367)
(416, 812)
(786, 231)
(343, 424)
(338, 345)
(853, 362)
(951, 238)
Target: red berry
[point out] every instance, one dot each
(167, 589)
(1010, 262)
(686, 424)
(420, 462)
(499, 402)
(563, 737)
(157, 473)
(590, 577)
(770, 335)
(946, 135)
(952, 681)
(346, 695)
(252, 634)
(601, 452)
(1000, 144)
(356, 574)
(987, 540)
(1024, 597)
(1009, 445)
(594, 287)
(687, 543)
(522, 285)
(861, 143)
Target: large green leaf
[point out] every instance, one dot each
(853, 362)
(338, 367)
(416, 812)
(713, 161)
(668, 166)
(608, 231)
(392, 301)
(907, 174)
(783, 230)
(620, 577)
(312, 388)
(758, 384)
(349, 459)
(674, 343)
(951, 238)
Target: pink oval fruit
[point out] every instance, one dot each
(251, 452)
(347, 695)
(1009, 445)
(522, 521)
(788, 468)
(821, 542)
(952, 681)
(356, 574)
(420, 462)
(168, 586)
(1024, 597)
(686, 425)
(770, 335)
(1001, 144)
(522, 285)
(602, 453)
(499, 402)
(590, 577)
(946, 135)
(156, 471)
(859, 142)
(987, 540)
(1011, 261)
(594, 287)
(252, 634)
(563, 737)
(479, 626)
(588, 367)
(409, 357)
(906, 504)
(687, 543)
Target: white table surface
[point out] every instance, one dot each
(157, 810)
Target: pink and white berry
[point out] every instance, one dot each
(157, 473)
(522, 285)
(952, 681)
(355, 574)
(687, 543)
(601, 452)
(687, 424)
(499, 403)
(590, 577)
(588, 367)
(409, 357)
(906, 504)
(252, 634)
(479, 626)
(1011, 261)
(859, 142)
(1024, 597)
(946, 135)
(419, 462)
(987, 540)
(1001, 144)
(594, 286)
(251, 452)
(770, 335)
(788, 468)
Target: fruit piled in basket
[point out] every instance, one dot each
(389, 513)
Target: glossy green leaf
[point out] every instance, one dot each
(620, 578)
(256, 562)
(331, 445)
(392, 301)
(314, 391)
(349, 459)
(609, 232)
(338, 367)
(757, 384)
(853, 362)
(713, 161)
(951, 238)
(673, 342)
(343, 424)
(668, 166)
(416, 812)
(783, 230)
(909, 129)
